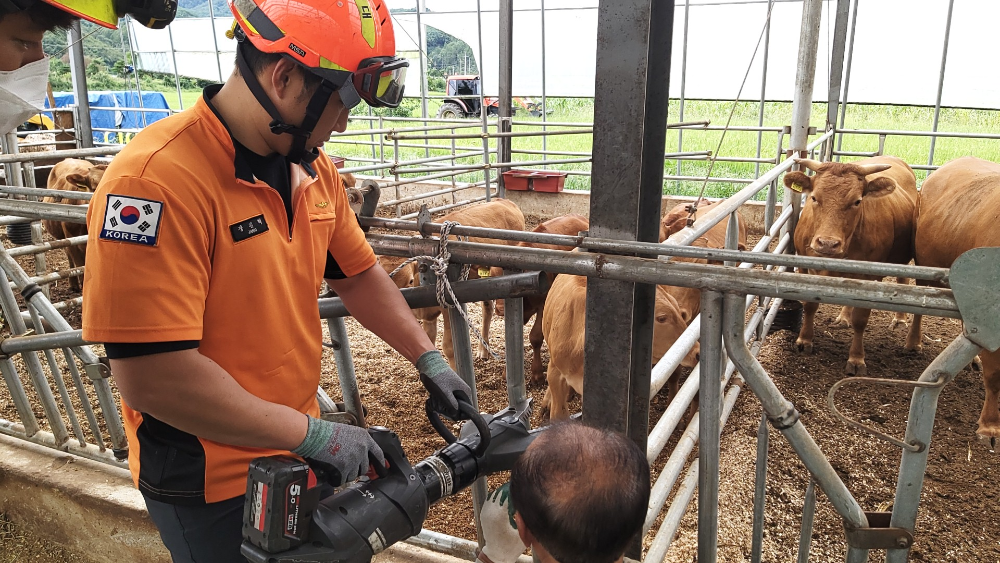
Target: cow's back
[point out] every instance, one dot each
(959, 209)
(496, 214)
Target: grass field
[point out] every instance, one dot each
(914, 150)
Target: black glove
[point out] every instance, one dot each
(444, 385)
(345, 450)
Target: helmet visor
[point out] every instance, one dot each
(380, 82)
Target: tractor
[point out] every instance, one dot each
(462, 100)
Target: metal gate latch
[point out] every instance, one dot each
(878, 534)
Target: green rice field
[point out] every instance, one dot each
(914, 150)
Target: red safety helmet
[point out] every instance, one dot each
(337, 40)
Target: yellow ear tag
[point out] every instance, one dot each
(484, 272)
(797, 187)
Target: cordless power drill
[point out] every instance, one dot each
(291, 515)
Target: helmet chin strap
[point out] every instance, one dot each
(300, 134)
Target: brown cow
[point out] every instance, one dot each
(564, 323)
(859, 211)
(674, 220)
(73, 175)
(497, 214)
(565, 225)
(406, 276)
(959, 209)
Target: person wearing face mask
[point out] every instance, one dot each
(210, 235)
(24, 68)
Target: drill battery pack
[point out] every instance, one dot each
(282, 493)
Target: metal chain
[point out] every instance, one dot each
(442, 285)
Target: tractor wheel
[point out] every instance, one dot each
(450, 111)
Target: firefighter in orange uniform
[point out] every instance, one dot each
(209, 237)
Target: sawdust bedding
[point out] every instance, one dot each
(960, 494)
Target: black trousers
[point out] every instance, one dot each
(209, 533)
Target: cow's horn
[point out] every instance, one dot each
(810, 164)
(866, 169)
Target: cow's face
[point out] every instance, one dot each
(834, 197)
(405, 277)
(668, 325)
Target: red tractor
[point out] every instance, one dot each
(462, 100)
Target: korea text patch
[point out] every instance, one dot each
(132, 219)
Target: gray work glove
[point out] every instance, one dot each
(345, 450)
(444, 385)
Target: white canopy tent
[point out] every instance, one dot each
(897, 48)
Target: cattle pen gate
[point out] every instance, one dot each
(741, 299)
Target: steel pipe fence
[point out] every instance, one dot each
(600, 262)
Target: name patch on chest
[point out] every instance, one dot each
(132, 219)
(248, 228)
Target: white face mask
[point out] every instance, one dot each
(22, 93)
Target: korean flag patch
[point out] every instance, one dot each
(132, 219)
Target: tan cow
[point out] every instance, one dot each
(958, 210)
(674, 220)
(565, 225)
(72, 175)
(497, 214)
(858, 211)
(406, 276)
(564, 323)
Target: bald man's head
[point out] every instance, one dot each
(581, 492)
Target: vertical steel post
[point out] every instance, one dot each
(836, 71)
(940, 88)
(847, 77)
(463, 362)
(545, 102)
(215, 39)
(135, 67)
(808, 512)
(680, 104)
(805, 73)
(763, 86)
(345, 369)
(920, 424)
(422, 46)
(173, 55)
(506, 85)
(760, 491)
(78, 71)
(482, 105)
(514, 338)
(625, 204)
(709, 405)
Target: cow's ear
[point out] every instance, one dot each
(879, 187)
(798, 182)
(685, 315)
(77, 180)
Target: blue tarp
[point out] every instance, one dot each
(107, 123)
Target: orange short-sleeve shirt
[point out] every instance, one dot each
(181, 249)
